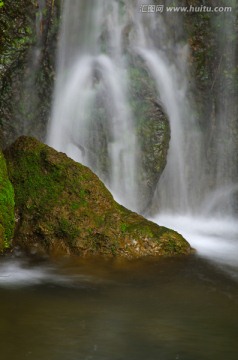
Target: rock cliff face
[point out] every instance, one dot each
(62, 207)
(213, 65)
(6, 207)
(27, 66)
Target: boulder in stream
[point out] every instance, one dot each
(63, 208)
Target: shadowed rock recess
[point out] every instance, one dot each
(63, 208)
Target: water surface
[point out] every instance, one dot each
(183, 308)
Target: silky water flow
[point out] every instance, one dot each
(93, 121)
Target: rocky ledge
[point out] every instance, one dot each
(63, 208)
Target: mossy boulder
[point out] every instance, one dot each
(153, 130)
(63, 207)
(7, 218)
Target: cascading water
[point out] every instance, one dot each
(30, 98)
(226, 137)
(204, 212)
(174, 189)
(93, 120)
(91, 113)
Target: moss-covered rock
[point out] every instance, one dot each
(153, 130)
(62, 207)
(28, 40)
(6, 206)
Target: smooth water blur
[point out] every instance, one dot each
(91, 116)
(162, 309)
(92, 113)
(172, 94)
(213, 238)
(18, 274)
(225, 144)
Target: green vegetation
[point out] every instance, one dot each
(6, 207)
(124, 227)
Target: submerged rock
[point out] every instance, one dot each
(6, 206)
(63, 207)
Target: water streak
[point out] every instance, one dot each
(91, 112)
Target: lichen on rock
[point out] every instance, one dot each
(63, 207)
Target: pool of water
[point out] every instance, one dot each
(161, 309)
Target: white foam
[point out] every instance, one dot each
(212, 238)
(16, 273)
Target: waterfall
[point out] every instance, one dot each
(203, 208)
(30, 97)
(174, 189)
(91, 119)
(225, 134)
(92, 114)
(94, 123)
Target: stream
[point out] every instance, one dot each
(175, 308)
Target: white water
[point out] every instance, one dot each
(90, 77)
(167, 64)
(17, 273)
(213, 238)
(92, 70)
(203, 216)
(226, 153)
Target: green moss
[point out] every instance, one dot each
(6, 207)
(124, 227)
(75, 206)
(63, 206)
(67, 230)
